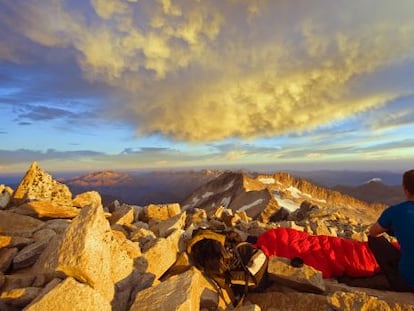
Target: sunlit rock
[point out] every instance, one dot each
(289, 301)
(165, 227)
(361, 301)
(161, 211)
(181, 292)
(145, 238)
(40, 186)
(304, 278)
(88, 252)
(70, 295)
(86, 199)
(47, 209)
(162, 255)
(5, 195)
(122, 215)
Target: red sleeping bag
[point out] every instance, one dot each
(332, 256)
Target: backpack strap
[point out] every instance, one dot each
(223, 283)
(253, 263)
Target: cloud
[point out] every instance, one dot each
(107, 8)
(399, 113)
(129, 158)
(248, 148)
(398, 145)
(314, 155)
(43, 113)
(246, 152)
(210, 70)
(7, 53)
(235, 155)
(9, 157)
(145, 150)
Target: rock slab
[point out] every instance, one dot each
(88, 252)
(70, 295)
(178, 293)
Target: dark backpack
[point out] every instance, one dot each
(235, 266)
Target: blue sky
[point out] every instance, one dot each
(116, 84)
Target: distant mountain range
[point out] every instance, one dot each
(374, 191)
(141, 189)
(175, 186)
(329, 178)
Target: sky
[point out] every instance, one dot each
(159, 84)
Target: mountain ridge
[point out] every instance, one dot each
(163, 186)
(374, 191)
(265, 197)
(140, 189)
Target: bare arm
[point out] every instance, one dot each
(376, 229)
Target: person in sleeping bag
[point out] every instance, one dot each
(396, 220)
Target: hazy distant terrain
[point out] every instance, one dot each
(141, 189)
(174, 186)
(380, 187)
(374, 191)
(330, 178)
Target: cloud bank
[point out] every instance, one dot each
(210, 70)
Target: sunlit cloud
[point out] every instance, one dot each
(387, 146)
(206, 71)
(247, 148)
(314, 155)
(161, 163)
(23, 155)
(235, 155)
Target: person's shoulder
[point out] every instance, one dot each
(401, 205)
(405, 204)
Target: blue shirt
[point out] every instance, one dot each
(400, 219)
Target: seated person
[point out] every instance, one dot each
(398, 220)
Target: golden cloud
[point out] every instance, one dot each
(108, 8)
(315, 155)
(235, 155)
(204, 70)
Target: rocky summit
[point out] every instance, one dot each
(59, 252)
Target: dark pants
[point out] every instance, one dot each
(388, 256)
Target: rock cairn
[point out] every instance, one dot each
(64, 253)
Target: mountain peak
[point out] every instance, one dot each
(374, 180)
(101, 178)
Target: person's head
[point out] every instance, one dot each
(408, 182)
